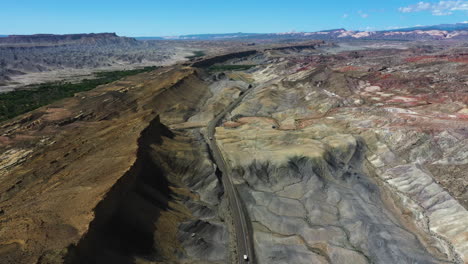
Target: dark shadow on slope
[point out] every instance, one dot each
(123, 226)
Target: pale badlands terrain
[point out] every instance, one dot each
(31, 59)
(338, 157)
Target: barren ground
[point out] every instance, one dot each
(355, 156)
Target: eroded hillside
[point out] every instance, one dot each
(354, 157)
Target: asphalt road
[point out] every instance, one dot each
(239, 214)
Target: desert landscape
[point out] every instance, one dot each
(334, 155)
(333, 146)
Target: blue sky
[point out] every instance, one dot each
(176, 17)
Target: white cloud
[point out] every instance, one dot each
(394, 27)
(442, 8)
(362, 14)
(345, 16)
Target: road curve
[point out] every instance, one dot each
(239, 214)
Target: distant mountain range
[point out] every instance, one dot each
(436, 32)
(444, 27)
(457, 31)
(51, 56)
(207, 36)
(67, 39)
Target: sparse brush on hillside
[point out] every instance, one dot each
(32, 58)
(21, 101)
(196, 54)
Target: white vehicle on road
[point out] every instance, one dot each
(246, 258)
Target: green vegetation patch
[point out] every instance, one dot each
(216, 68)
(196, 54)
(34, 96)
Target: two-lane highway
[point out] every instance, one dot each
(239, 214)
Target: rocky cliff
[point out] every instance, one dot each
(81, 39)
(32, 59)
(101, 183)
